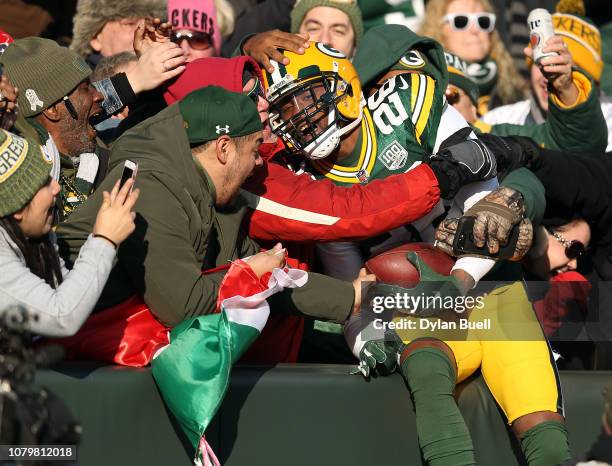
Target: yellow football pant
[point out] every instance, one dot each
(510, 349)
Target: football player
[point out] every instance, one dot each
(336, 130)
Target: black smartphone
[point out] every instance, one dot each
(464, 241)
(129, 171)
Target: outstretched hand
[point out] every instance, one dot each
(150, 33)
(557, 69)
(156, 66)
(264, 46)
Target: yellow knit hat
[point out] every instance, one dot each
(581, 36)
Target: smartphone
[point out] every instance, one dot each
(464, 241)
(129, 171)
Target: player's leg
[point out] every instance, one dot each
(520, 371)
(432, 368)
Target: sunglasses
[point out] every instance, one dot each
(256, 92)
(461, 21)
(197, 40)
(574, 249)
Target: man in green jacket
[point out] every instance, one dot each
(193, 156)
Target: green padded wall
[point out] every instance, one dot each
(293, 415)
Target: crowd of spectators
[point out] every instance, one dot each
(270, 138)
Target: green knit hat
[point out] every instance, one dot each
(24, 169)
(211, 112)
(349, 7)
(457, 76)
(43, 71)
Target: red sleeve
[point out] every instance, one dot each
(289, 207)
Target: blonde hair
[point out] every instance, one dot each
(225, 17)
(511, 87)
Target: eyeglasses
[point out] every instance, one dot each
(574, 249)
(461, 21)
(256, 92)
(197, 40)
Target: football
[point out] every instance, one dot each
(392, 266)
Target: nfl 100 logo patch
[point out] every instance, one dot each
(394, 156)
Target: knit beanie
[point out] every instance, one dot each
(457, 76)
(581, 36)
(196, 15)
(92, 15)
(349, 7)
(43, 71)
(24, 169)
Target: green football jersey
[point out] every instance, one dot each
(399, 126)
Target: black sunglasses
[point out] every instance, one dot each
(574, 249)
(197, 40)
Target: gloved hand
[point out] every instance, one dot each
(461, 164)
(511, 152)
(446, 231)
(377, 355)
(430, 284)
(496, 214)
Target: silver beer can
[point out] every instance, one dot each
(540, 30)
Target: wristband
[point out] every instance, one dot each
(96, 235)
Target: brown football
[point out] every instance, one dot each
(392, 266)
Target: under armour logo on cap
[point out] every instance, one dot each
(223, 129)
(33, 99)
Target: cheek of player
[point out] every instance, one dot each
(539, 85)
(331, 27)
(472, 43)
(36, 218)
(308, 100)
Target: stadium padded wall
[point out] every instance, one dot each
(295, 415)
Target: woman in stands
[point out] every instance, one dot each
(467, 29)
(34, 279)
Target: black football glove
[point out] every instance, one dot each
(460, 164)
(511, 152)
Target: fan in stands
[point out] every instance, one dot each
(392, 266)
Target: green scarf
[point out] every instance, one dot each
(484, 74)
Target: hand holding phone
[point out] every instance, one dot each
(463, 242)
(130, 169)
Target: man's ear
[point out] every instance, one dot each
(95, 43)
(223, 149)
(18, 215)
(53, 113)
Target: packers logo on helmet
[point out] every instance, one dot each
(314, 100)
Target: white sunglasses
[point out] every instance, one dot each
(461, 21)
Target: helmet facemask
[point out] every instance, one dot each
(305, 114)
